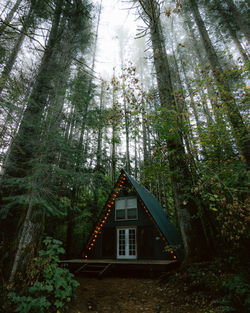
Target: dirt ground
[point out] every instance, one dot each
(135, 295)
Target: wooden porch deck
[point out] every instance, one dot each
(99, 267)
(112, 261)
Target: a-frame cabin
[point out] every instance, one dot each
(133, 229)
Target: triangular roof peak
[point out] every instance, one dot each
(152, 207)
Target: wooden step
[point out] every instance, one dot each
(98, 269)
(105, 269)
(80, 268)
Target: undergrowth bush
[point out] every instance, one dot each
(47, 287)
(224, 279)
(237, 294)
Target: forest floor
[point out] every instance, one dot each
(141, 295)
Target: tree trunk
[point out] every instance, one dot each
(100, 129)
(193, 106)
(24, 154)
(31, 119)
(113, 140)
(128, 166)
(99, 155)
(136, 159)
(232, 32)
(24, 148)
(243, 25)
(90, 85)
(31, 228)
(70, 223)
(191, 228)
(144, 137)
(182, 108)
(241, 133)
(11, 60)
(221, 121)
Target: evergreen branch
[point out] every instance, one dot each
(22, 32)
(84, 64)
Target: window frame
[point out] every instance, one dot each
(126, 209)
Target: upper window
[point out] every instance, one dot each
(126, 208)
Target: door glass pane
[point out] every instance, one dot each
(120, 214)
(132, 242)
(122, 242)
(132, 213)
(132, 203)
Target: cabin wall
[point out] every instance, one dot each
(149, 243)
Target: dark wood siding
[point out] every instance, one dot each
(109, 243)
(145, 242)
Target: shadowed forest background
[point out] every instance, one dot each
(173, 113)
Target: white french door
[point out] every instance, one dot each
(126, 243)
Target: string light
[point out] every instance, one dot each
(107, 209)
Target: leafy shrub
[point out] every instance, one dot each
(204, 277)
(237, 298)
(49, 287)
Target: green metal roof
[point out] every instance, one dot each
(165, 225)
